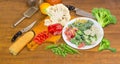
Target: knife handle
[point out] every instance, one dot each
(19, 33)
(70, 7)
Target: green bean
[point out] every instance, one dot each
(59, 51)
(62, 52)
(62, 49)
(51, 46)
(75, 51)
(66, 49)
(54, 50)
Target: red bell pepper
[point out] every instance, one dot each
(55, 29)
(40, 38)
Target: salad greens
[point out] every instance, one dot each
(103, 16)
(105, 45)
(62, 49)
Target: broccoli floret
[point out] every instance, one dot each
(88, 24)
(79, 32)
(74, 41)
(105, 45)
(77, 37)
(103, 16)
(93, 38)
(87, 42)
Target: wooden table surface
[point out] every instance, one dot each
(12, 10)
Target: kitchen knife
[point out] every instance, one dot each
(19, 33)
(79, 11)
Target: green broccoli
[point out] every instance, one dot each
(103, 16)
(105, 45)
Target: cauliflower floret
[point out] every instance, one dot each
(47, 22)
(87, 32)
(58, 14)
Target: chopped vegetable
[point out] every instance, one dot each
(70, 33)
(40, 38)
(62, 49)
(55, 29)
(81, 45)
(105, 45)
(103, 16)
(81, 31)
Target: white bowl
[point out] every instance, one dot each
(99, 36)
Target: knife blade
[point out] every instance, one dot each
(79, 11)
(19, 33)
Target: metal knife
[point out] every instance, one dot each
(79, 11)
(19, 33)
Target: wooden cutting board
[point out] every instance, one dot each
(40, 27)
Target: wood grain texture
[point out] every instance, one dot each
(11, 11)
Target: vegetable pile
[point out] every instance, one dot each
(62, 49)
(81, 32)
(103, 16)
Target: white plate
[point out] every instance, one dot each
(99, 36)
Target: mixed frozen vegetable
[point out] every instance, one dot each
(82, 32)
